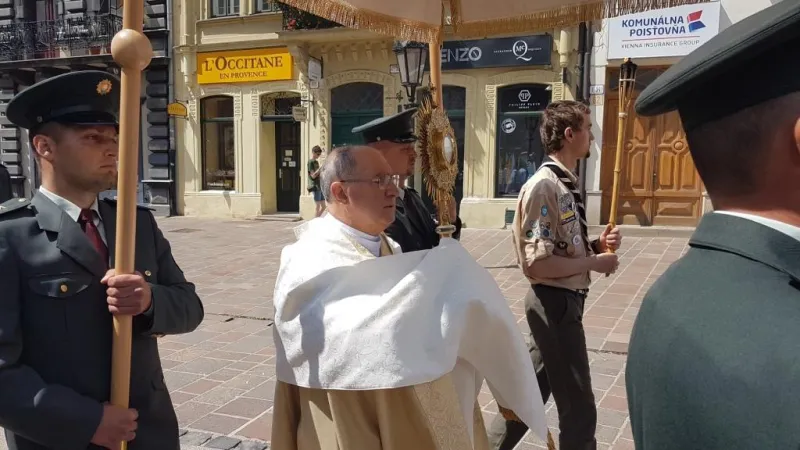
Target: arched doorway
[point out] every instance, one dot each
(353, 104)
(276, 114)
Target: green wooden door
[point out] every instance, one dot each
(343, 123)
(353, 104)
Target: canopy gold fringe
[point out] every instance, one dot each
(560, 17)
(352, 17)
(398, 28)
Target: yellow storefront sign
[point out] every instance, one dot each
(245, 66)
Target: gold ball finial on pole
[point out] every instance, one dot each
(131, 49)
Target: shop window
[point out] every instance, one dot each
(454, 97)
(219, 143)
(223, 8)
(267, 6)
(519, 145)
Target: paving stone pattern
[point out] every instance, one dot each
(222, 375)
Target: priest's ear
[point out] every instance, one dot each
(339, 193)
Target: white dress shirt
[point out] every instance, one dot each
(74, 211)
(789, 230)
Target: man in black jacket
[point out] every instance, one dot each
(714, 357)
(6, 191)
(413, 227)
(60, 290)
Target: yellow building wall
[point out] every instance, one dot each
(348, 56)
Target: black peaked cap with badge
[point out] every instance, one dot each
(397, 128)
(750, 62)
(88, 97)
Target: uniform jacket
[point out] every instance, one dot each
(413, 227)
(6, 190)
(714, 358)
(56, 331)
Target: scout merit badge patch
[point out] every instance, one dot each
(544, 230)
(539, 230)
(565, 203)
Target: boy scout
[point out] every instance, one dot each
(554, 252)
(413, 228)
(60, 290)
(714, 357)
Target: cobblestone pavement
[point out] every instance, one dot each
(222, 375)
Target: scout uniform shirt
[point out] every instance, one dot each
(546, 222)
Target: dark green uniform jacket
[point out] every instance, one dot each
(714, 358)
(56, 331)
(413, 227)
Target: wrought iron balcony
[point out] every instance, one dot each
(295, 19)
(267, 6)
(61, 38)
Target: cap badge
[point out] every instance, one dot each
(104, 87)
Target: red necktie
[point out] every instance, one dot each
(86, 220)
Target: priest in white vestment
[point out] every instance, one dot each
(382, 350)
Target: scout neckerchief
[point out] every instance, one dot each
(576, 195)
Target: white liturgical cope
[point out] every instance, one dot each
(346, 320)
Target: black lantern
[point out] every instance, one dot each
(411, 59)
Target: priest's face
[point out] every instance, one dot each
(400, 156)
(369, 196)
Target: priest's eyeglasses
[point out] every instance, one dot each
(382, 181)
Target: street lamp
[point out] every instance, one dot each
(411, 58)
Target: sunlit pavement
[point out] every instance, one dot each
(222, 376)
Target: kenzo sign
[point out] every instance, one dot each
(504, 52)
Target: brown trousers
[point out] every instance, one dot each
(558, 353)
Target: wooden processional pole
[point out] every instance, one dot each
(627, 79)
(132, 51)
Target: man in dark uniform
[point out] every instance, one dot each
(6, 191)
(414, 227)
(60, 289)
(714, 357)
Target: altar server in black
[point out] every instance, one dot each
(714, 358)
(414, 227)
(60, 291)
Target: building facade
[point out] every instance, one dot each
(43, 38)
(264, 83)
(659, 184)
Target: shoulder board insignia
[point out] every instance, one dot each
(113, 202)
(14, 204)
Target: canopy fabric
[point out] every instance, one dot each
(421, 20)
